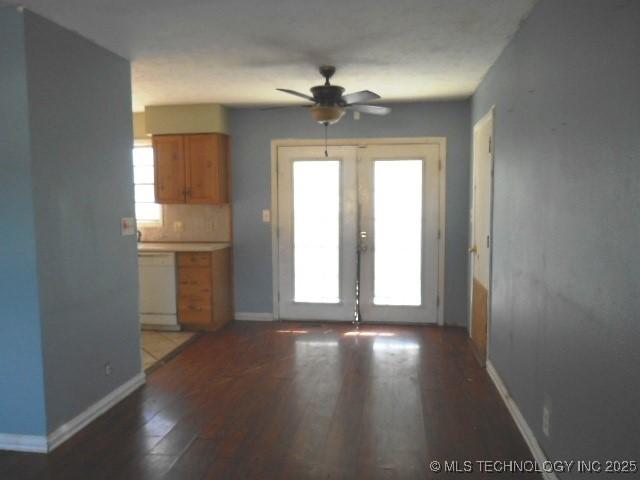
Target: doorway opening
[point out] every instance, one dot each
(481, 236)
(359, 234)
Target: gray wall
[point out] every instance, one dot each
(81, 137)
(251, 133)
(566, 278)
(22, 406)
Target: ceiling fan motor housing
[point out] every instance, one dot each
(327, 95)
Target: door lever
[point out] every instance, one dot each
(363, 242)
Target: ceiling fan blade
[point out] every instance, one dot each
(297, 94)
(372, 109)
(357, 97)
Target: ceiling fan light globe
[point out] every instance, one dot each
(327, 115)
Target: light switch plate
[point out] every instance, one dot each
(127, 226)
(266, 215)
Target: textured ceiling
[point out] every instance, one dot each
(236, 52)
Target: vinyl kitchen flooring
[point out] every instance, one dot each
(159, 345)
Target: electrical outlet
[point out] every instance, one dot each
(546, 416)
(178, 227)
(107, 369)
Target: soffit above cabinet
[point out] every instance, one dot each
(179, 119)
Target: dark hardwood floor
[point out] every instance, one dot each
(296, 401)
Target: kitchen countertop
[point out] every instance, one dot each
(181, 247)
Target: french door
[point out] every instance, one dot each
(358, 231)
(317, 214)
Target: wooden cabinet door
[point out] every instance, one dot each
(206, 168)
(168, 154)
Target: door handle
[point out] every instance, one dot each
(473, 249)
(363, 242)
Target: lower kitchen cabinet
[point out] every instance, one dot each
(204, 289)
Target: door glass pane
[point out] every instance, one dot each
(398, 232)
(316, 231)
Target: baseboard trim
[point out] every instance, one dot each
(253, 317)
(23, 443)
(45, 444)
(73, 426)
(532, 442)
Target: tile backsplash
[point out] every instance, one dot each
(190, 223)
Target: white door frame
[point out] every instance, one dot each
(489, 115)
(360, 142)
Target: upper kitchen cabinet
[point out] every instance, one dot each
(191, 168)
(168, 155)
(206, 168)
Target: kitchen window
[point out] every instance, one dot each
(147, 210)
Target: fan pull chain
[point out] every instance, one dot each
(326, 127)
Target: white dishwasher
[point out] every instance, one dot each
(157, 287)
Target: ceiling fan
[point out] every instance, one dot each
(329, 103)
